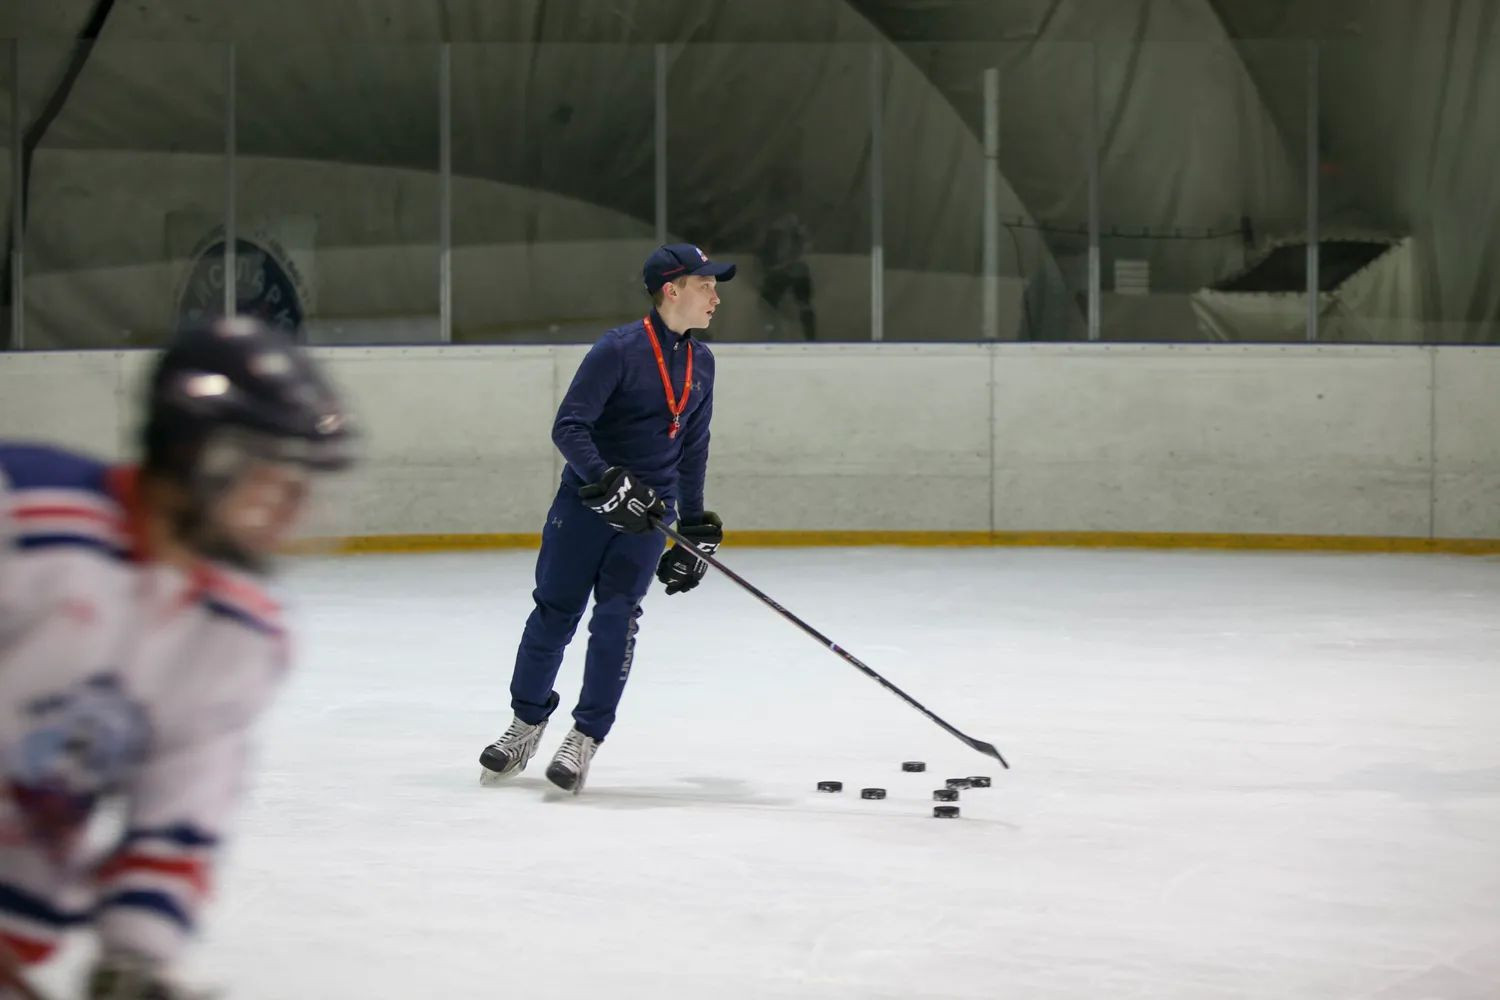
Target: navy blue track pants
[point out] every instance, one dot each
(581, 554)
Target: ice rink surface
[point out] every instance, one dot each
(1234, 775)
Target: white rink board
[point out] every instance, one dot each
(1271, 440)
(1313, 440)
(71, 399)
(851, 438)
(454, 439)
(1467, 495)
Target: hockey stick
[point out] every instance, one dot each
(985, 748)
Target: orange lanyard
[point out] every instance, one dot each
(674, 405)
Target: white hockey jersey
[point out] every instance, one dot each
(121, 680)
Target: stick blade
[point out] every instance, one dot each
(988, 749)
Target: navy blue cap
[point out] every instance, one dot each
(678, 260)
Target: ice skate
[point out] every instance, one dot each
(508, 756)
(570, 765)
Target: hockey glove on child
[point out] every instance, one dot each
(623, 500)
(679, 569)
(123, 976)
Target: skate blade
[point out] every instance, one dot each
(489, 779)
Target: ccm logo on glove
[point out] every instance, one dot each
(628, 504)
(680, 568)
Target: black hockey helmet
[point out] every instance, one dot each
(238, 374)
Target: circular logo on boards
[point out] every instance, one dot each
(267, 284)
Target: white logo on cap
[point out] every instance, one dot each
(701, 255)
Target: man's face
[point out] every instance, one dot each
(697, 298)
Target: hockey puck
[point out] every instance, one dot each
(945, 812)
(872, 793)
(958, 783)
(979, 781)
(913, 765)
(830, 786)
(945, 794)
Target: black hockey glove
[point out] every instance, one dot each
(124, 976)
(623, 500)
(679, 569)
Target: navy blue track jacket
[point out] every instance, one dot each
(615, 413)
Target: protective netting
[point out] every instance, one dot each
(1202, 142)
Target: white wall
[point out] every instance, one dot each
(1395, 441)
(1236, 439)
(1466, 416)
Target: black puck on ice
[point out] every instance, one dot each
(945, 812)
(958, 783)
(945, 794)
(830, 786)
(980, 781)
(913, 765)
(872, 793)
